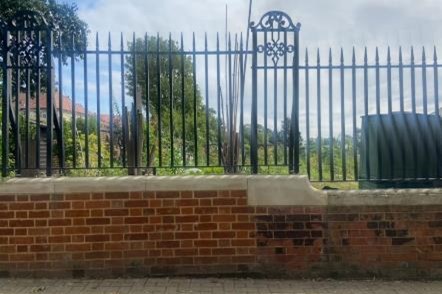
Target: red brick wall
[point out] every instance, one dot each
(212, 232)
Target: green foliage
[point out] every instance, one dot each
(183, 101)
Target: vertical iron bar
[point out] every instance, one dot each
(218, 91)
(318, 91)
(389, 91)
(160, 155)
(49, 103)
(425, 108)
(330, 121)
(413, 82)
(265, 103)
(183, 97)
(37, 106)
(97, 63)
(401, 102)
(295, 114)
(286, 125)
(28, 95)
(307, 113)
(195, 127)
(401, 81)
(74, 121)
(343, 138)
(390, 110)
(5, 104)
(111, 104)
(242, 80)
(367, 152)
(206, 74)
(230, 109)
(424, 82)
(136, 106)
(413, 108)
(123, 101)
(436, 106)
(254, 114)
(17, 142)
(172, 155)
(355, 139)
(60, 100)
(275, 114)
(147, 95)
(378, 113)
(86, 104)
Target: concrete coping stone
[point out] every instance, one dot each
(262, 190)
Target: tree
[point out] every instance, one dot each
(185, 98)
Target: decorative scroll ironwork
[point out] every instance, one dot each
(28, 20)
(275, 50)
(275, 21)
(24, 48)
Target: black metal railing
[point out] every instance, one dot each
(153, 105)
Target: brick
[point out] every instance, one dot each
(6, 231)
(243, 242)
(40, 197)
(77, 196)
(167, 194)
(136, 203)
(7, 198)
(139, 236)
(243, 226)
(187, 202)
(97, 238)
(21, 223)
(60, 222)
(186, 219)
(116, 212)
(39, 214)
(203, 194)
(21, 240)
(223, 234)
(168, 244)
(6, 214)
(78, 247)
(77, 230)
(40, 248)
(238, 193)
(206, 226)
(136, 220)
(223, 251)
(163, 211)
(206, 210)
(21, 206)
(186, 235)
(224, 201)
(116, 195)
(97, 221)
(206, 243)
(77, 213)
(59, 205)
(97, 204)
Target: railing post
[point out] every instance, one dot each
(49, 103)
(5, 105)
(294, 129)
(254, 117)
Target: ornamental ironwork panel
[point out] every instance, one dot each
(276, 37)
